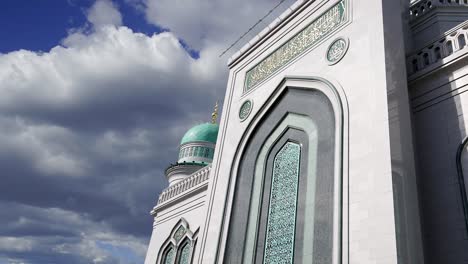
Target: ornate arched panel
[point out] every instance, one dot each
(287, 201)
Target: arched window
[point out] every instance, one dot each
(169, 255)
(211, 153)
(426, 59)
(191, 152)
(185, 252)
(179, 246)
(449, 47)
(282, 208)
(286, 206)
(415, 65)
(437, 53)
(461, 41)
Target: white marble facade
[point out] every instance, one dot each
(395, 74)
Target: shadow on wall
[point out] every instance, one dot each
(462, 170)
(440, 111)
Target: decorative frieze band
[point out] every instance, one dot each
(453, 42)
(422, 7)
(321, 27)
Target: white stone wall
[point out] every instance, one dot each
(372, 70)
(189, 204)
(439, 101)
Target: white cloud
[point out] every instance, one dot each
(103, 13)
(109, 104)
(204, 22)
(109, 65)
(16, 244)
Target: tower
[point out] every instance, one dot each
(180, 209)
(342, 140)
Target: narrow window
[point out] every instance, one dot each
(449, 48)
(207, 152)
(281, 225)
(415, 65)
(426, 59)
(437, 53)
(184, 257)
(461, 41)
(169, 256)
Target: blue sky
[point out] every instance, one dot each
(41, 25)
(95, 96)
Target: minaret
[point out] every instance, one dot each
(196, 150)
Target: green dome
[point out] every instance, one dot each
(207, 132)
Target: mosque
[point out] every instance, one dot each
(343, 140)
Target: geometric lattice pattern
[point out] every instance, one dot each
(170, 256)
(281, 225)
(184, 257)
(179, 233)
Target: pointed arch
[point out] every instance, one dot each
(185, 251)
(246, 216)
(179, 246)
(169, 254)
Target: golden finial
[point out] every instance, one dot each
(214, 115)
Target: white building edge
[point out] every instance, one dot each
(343, 139)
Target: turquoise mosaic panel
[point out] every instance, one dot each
(281, 225)
(185, 254)
(170, 256)
(179, 233)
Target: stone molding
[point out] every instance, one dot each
(181, 171)
(420, 8)
(273, 25)
(193, 180)
(447, 45)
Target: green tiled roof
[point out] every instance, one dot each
(207, 132)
